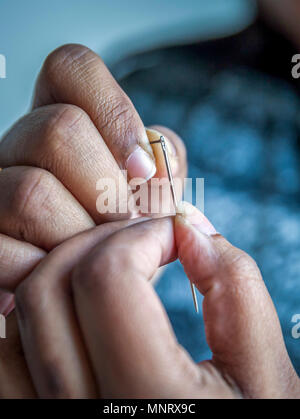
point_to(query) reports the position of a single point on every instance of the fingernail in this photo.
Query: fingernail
(140, 165)
(196, 218)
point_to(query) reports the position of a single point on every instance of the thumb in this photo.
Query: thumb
(242, 327)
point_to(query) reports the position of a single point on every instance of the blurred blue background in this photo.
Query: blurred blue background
(236, 111)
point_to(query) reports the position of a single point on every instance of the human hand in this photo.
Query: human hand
(99, 329)
(82, 128)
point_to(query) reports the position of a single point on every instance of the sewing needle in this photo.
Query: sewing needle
(175, 201)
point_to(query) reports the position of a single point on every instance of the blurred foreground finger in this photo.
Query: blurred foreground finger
(176, 151)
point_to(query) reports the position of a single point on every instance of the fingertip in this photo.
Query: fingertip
(196, 250)
(190, 215)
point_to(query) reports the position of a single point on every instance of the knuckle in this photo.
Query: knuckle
(60, 128)
(241, 265)
(63, 131)
(90, 275)
(31, 190)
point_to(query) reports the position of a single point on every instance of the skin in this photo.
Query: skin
(82, 119)
(82, 127)
(92, 297)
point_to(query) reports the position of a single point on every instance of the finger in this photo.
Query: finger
(76, 75)
(131, 345)
(51, 339)
(15, 381)
(63, 140)
(37, 208)
(242, 326)
(6, 302)
(17, 260)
